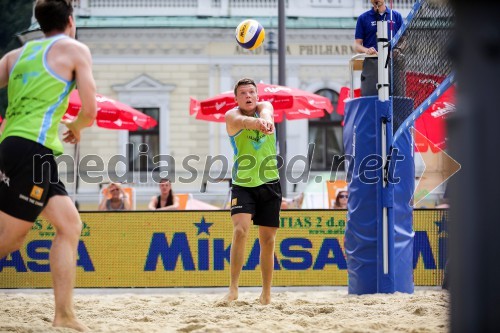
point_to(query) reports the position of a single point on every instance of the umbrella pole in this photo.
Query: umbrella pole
(282, 81)
(76, 171)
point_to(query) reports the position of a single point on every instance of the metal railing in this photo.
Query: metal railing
(230, 8)
(399, 5)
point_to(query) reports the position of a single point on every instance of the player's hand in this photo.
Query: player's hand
(269, 128)
(265, 126)
(371, 51)
(72, 135)
(262, 125)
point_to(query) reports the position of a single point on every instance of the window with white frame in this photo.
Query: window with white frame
(326, 134)
(146, 144)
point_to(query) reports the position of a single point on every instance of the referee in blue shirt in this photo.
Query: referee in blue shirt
(366, 41)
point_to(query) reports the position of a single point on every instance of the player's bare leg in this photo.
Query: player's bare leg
(241, 225)
(61, 212)
(12, 233)
(267, 236)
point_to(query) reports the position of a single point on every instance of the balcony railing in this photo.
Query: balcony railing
(229, 8)
(399, 5)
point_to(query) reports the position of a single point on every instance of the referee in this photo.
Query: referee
(365, 41)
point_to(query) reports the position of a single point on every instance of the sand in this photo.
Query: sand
(166, 310)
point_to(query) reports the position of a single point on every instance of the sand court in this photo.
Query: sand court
(199, 310)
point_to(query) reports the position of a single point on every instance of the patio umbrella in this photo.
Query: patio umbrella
(277, 95)
(344, 96)
(111, 114)
(289, 103)
(432, 123)
(194, 108)
(304, 112)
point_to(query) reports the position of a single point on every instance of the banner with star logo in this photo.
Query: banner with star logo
(191, 249)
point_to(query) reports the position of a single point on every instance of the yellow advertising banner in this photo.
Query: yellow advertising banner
(429, 246)
(192, 248)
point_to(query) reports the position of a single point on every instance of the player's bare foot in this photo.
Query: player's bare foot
(232, 295)
(265, 298)
(71, 323)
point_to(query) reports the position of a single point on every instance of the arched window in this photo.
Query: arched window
(326, 134)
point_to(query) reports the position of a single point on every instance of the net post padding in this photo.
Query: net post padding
(367, 197)
(362, 145)
(401, 176)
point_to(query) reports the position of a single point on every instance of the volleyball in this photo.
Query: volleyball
(250, 34)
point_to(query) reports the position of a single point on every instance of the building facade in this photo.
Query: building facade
(155, 55)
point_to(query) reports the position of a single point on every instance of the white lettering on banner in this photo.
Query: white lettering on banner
(429, 81)
(304, 111)
(220, 105)
(276, 89)
(102, 99)
(448, 107)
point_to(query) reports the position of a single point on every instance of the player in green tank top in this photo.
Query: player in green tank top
(27, 97)
(254, 157)
(40, 77)
(255, 191)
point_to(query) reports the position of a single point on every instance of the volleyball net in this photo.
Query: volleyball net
(380, 232)
(421, 64)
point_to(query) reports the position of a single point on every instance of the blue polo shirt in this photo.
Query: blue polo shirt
(366, 26)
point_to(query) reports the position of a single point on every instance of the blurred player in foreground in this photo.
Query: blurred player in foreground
(40, 77)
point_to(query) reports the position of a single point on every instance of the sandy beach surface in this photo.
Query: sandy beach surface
(199, 310)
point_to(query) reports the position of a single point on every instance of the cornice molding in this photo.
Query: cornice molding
(172, 42)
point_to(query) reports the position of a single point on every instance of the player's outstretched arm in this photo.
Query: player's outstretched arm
(266, 112)
(235, 122)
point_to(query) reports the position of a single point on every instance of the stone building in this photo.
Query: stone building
(156, 54)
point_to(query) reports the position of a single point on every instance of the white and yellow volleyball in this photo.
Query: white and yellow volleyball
(250, 34)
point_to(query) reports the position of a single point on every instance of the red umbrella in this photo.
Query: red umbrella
(303, 111)
(431, 123)
(194, 108)
(288, 102)
(309, 99)
(343, 96)
(111, 114)
(277, 95)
